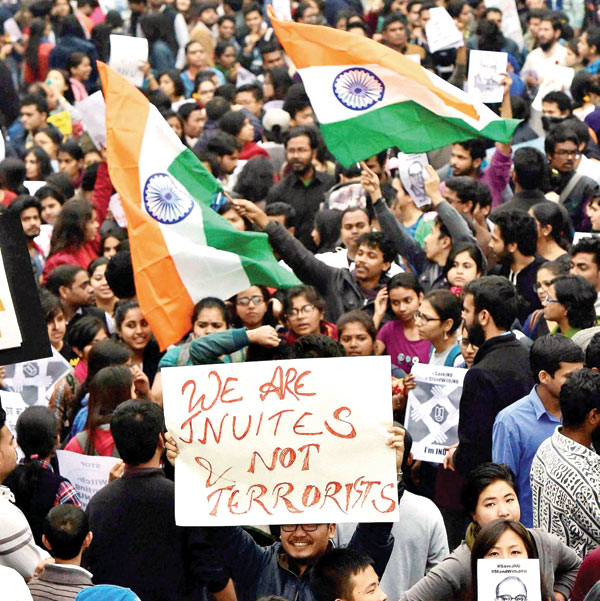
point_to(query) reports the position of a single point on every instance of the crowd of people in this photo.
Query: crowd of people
(498, 274)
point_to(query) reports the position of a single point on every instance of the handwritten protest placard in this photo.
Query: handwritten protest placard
(432, 410)
(87, 474)
(514, 578)
(282, 442)
(126, 55)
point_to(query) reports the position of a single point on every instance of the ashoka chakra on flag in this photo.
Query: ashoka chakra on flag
(165, 200)
(357, 88)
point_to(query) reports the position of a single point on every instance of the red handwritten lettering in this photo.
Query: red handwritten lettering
(207, 465)
(188, 422)
(287, 456)
(191, 404)
(228, 390)
(305, 463)
(245, 431)
(331, 495)
(298, 425)
(256, 454)
(316, 493)
(392, 505)
(283, 496)
(207, 424)
(278, 415)
(256, 499)
(336, 415)
(219, 493)
(281, 385)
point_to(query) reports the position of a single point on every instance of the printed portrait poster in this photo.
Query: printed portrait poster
(411, 169)
(485, 75)
(282, 442)
(504, 579)
(432, 410)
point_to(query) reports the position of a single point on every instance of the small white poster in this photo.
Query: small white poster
(282, 9)
(33, 185)
(282, 442)
(554, 79)
(441, 31)
(87, 474)
(432, 410)
(10, 332)
(411, 169)
(515, 579)
(485, 75)
(35, 380)
(93, 114)
(126, 55)
(116, 208)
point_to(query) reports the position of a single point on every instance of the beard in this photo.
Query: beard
(545, 46)
(476, 333)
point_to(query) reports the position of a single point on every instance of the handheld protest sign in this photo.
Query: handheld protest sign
(432, 410)
(28, 339)
(503, 579)
(282, 442)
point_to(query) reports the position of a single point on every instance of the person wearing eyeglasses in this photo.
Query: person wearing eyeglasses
(570, 303)
(303, 310)
(252, 308)
(574, 190)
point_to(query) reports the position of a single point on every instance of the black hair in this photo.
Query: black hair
(216, 107)
(474, 252)
(281, 80)
(43, 159)
(21, 203)
(222, 45)
(72, 148)
(593, 37)
(88, 180)
(187, 108)
(63, 275)
(63, 183)
(578, 297)
(589, 245)
(518, 227)
(413, 3)
(556, 216)
(309, 292)
(592, 352)
(331, 577)
(455, 7)
(561, 99)
(74, 60)
(65, 528)
(121, 310)
(328, 223)
(226, 18)
(405, 280)
(476, 147)
(251, 8)
(136, 426)
(251, 87)
(39, 101)
(211, 159)
(357, 316)
(497, 296)
(302, 130)
(520, 108)
(120, 233)
(51, 306)
(558, 134)
(119, 275)
(282, 208)
(447, 306)
(490, 37)
(83, 331)
(69, 229)
(300, 10)
(548, 352)
(226, 91)
(378, 240)
(464, 186)
(37, 27)
(12, 174)
(255, 179)
(296, 100)
(232, 122)
(175, 76)
(48, 191)
(531, 168)
(480, 478)
(222, 144)
(95, 264)
(211, 302)
(358, 25)
(483, 195)
(579, 395)
(52, 133)
(315, 346)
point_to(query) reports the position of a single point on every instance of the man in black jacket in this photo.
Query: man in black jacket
(500, 374)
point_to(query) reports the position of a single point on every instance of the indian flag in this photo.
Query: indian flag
(181, 249)
(368, 97)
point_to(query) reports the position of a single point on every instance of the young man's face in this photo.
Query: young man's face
(497, 246)
(461, 162)
(354, 224)
(545, 33)
(299, 154)
(305, 548)
(584, 264)
(395, 34)
(304, 116)
(564, 156)
(31, 118)
(79, 294)
(273, 59)
(369, 263)
(254, 21)
(228, 163)
(495, 18)
(31, 222)
(435, 247)
(248, 101)
(226, 29)
(551, 109)
(365, 586)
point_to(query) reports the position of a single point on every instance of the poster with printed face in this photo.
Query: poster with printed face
(508, 579)
(282, 442)
(35, 380)
(87, 474)
(126, 55)
(432, 410)
(485, 75)
(411, 169)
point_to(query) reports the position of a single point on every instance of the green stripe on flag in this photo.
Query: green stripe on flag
(407, 125)
(253, 248)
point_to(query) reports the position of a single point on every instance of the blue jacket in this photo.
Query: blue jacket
(263, 571)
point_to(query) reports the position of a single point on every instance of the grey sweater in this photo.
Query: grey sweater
(447, 580)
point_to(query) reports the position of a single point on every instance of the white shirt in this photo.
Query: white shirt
(13, 586)
(540, 62)
(339, 259)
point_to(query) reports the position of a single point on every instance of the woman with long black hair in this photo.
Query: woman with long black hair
(37, 53)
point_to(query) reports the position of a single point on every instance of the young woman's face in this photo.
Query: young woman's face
(463, 270)
(553, 310)
(508, 546)
(102, 290)
(227, 59)
(82, 71)
(209, 320)
(91, 228)
(62, 8)
(304, 318)
(42, 139)
(235, 219)
(428, 323)
(404, 302)
(593, 212)
(50, 209)
(467, 349)
(542, 283)
(110, 247)
(135, 330)
(91, 157)
(167, 86)
(176, 126)
(498, 500)
(247, 132)
(69, 165)
(251, 307)
(57, 327)
(355, 339)
(196, 55)
(57, 80)
(101, 335)
(183, 5)
(32, 167)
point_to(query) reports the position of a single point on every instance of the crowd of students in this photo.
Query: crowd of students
(488, 276)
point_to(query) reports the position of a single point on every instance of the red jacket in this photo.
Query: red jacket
(81, 256)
